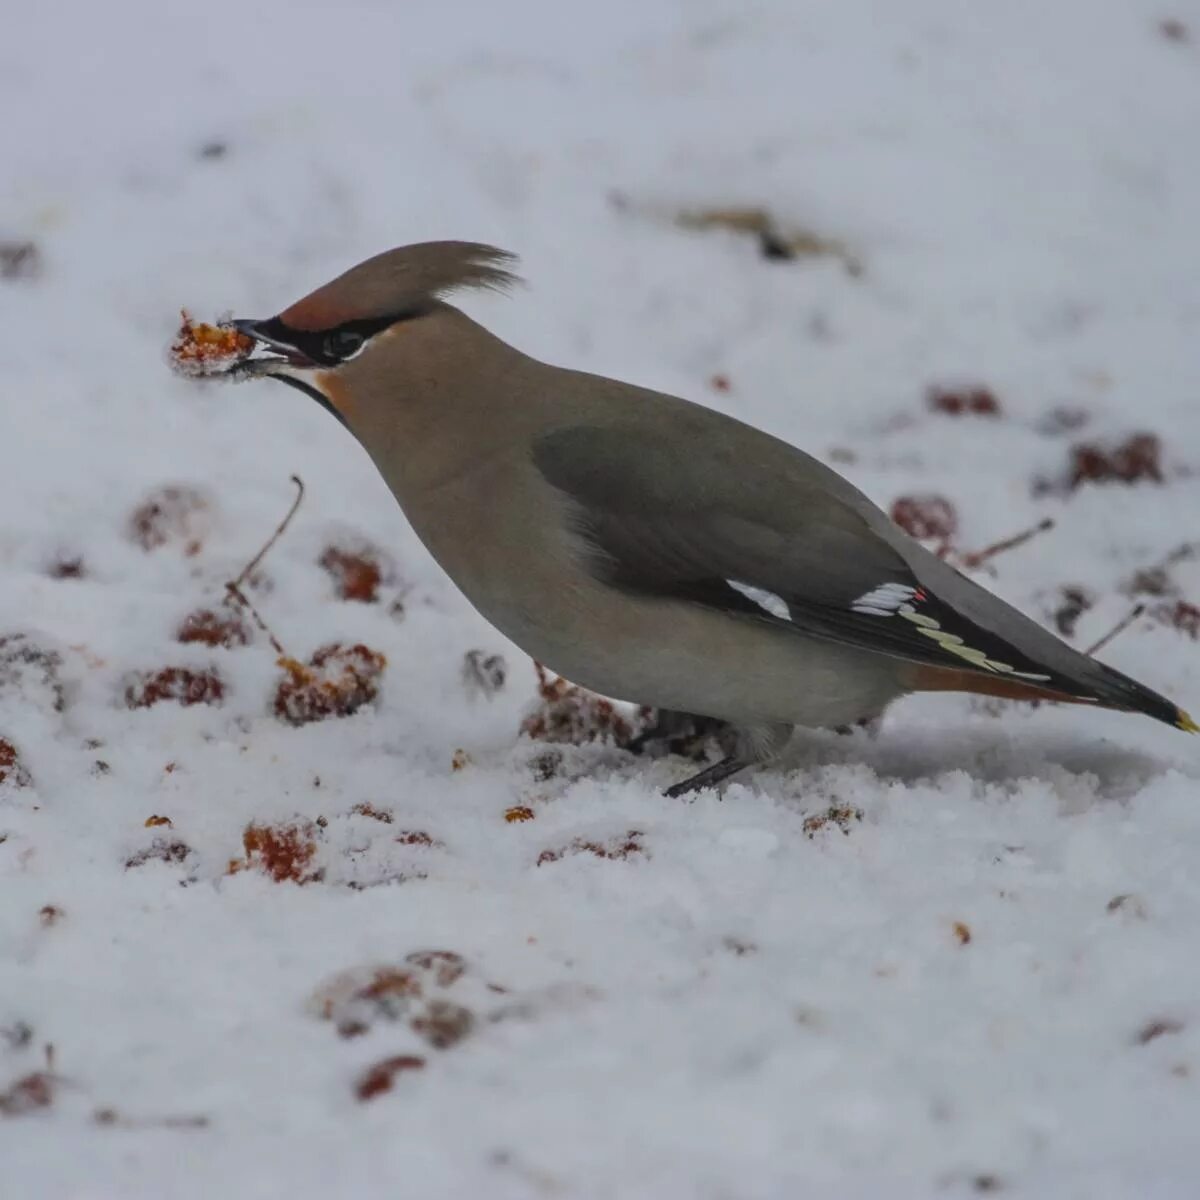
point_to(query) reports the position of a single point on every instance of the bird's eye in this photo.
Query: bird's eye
(342, 344)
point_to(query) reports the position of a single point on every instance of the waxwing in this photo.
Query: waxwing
(644, 546)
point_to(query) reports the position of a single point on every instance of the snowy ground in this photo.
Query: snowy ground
(990, 981)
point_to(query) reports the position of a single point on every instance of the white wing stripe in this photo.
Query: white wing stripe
(769, 602)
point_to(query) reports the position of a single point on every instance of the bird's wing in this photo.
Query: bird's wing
(762, 530)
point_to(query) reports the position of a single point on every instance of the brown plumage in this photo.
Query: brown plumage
(394, 284)
(943, 679)
(643, 546)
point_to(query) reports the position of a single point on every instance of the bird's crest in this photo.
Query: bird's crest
(402, 281)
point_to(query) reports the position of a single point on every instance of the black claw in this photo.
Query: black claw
(709, 777)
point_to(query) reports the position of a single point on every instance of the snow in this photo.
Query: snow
(989, 981)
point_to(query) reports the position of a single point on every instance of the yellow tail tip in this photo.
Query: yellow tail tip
(1185, 722)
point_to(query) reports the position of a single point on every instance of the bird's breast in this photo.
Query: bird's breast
(502, 535)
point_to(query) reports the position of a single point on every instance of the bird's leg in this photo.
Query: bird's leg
(756, 744)
(871, 725)
(672, 732)
(710, 776)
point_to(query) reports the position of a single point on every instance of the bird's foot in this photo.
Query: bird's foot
(709, 777)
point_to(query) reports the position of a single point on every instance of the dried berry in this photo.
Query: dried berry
(215, 627)
(1157, 580)
(171, 515)
(337, 681)
(357, 570)
(200, 349)
(619, 848)
(69, 567)
(1074, 601)
(283, 852)
(1157, 1028)
(926, 516)
(442, 1023)
(168, 850)
(183, 685)
(379, 1078)
(20, 260)
(545, 766)
(1065, 418)
(961, 401)
(1150, 581)
(567, 713)
(16, 1036)
(364, 809)
(12, 771)
(29, 1094)
(738, 946)
(774, 243)
(1129, 903)
(840, 815)
(445, 966)
(1179, 615)
(416, 837)
(1137, 458)
(483, 674)
(355, 1000)
(31, 671)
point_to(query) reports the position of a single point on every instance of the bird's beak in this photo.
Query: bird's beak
(289, 365)
(267, 333)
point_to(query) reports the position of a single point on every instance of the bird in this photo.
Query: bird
(642, 545)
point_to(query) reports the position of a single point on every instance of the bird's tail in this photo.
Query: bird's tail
(1111, 689)
(1097, 684)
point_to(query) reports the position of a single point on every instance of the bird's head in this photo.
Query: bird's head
(353, 318)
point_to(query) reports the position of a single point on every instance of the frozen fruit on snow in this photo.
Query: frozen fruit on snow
(183, 685)
(222, 626)
(567, 713)
(201, 349)
(926, 516)
(337, 681)
(285, 852)
(174, 514)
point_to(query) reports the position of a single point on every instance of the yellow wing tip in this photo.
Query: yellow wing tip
(1184, 722)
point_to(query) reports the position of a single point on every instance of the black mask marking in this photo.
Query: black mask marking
(328, 347)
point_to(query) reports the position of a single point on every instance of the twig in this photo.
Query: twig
(241, 597)
(234, 586)
(1120, 627)
(979, 557)
(291, 512)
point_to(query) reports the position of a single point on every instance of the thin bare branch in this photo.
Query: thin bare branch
(237, 594)
(291, 512)
(1120, 627)
(234, 586)
(979, 557)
